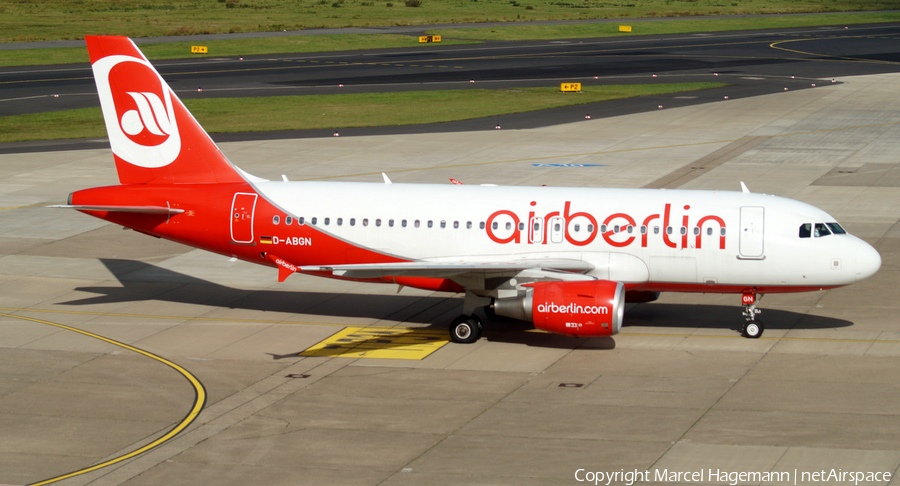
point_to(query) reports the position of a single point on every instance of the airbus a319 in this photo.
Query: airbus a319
(566, 259)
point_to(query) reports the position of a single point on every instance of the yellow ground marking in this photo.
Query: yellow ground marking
(29, 206)
(379, 342)
(599, 152)
(775, 45)
(199, 400)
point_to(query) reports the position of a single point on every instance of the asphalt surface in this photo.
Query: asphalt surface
(752, 63)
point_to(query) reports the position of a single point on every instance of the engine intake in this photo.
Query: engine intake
(590, 308)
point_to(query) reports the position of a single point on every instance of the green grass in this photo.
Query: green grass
(235, 47)
(338, 111)
(29, 20)
(575, 31)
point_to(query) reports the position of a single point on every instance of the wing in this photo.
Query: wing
(449, 269)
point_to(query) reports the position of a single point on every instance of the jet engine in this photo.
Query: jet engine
(590, 308)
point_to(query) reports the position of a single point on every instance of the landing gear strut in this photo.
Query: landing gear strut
(467, 327)
(752, 328)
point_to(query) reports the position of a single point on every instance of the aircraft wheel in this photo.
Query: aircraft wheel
(753, 329)
(465, 329)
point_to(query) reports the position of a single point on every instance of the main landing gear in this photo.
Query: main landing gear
(467, 327)
(752, 328)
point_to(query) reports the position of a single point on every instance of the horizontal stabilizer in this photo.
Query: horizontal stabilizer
(122, 209)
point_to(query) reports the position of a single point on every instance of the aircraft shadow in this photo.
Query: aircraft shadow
(146, 282)
(141, 282)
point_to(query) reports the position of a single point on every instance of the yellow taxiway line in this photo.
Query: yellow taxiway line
(199, 400)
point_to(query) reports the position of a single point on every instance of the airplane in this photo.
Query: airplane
(565, 259)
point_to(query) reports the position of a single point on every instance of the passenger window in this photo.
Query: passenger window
(683, 230)
(821, 230)
(378, 222)
(430, 223)
(481, 225)
(668, 230)
(327, 220)
(537, 226)
(468, 225)
(722, 232)
(590, 228)
(365, 221)
(313, 220)
(443, 224)
(340, 221)
(391, 223)
(288, 220)
(696, 231)
(416, 224)
(276, 219)
(656, 230)
(455, 224)
(556, 227)
(709, 231)
(508, 226)
(494, 225)
(805, 230)
(603, 228)
(521, 226)
(577, 228)
(403, 223)
(300, 221)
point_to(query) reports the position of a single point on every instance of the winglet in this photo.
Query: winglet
(285, 269)
(744, 188)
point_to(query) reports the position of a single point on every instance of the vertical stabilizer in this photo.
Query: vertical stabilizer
(154, 138)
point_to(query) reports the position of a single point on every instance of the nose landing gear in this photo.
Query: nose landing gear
(752, 328)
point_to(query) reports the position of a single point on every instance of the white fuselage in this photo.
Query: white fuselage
(657, 239)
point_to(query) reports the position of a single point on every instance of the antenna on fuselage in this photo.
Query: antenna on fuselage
(744, 188)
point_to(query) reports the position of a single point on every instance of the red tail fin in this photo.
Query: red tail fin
(154, 138)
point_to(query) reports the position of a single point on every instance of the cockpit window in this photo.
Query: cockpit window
(805, 230)
(836, 228)
(821, 230)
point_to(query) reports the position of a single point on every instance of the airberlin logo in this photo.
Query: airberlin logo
(618, 230)
(551, 308)
(150, 115)
(139, 113)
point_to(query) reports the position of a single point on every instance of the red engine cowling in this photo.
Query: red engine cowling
(591, 308)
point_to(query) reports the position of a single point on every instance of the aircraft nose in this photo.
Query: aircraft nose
(867, 260)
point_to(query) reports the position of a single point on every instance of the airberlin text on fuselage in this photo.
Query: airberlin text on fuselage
(622, 229)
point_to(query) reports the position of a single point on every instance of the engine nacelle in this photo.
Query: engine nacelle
(590, 308)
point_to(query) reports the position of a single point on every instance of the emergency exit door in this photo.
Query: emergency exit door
(242, 207)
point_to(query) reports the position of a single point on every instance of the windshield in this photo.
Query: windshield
(836, 228)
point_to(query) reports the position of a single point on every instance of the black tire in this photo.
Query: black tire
(465, 329)
(753, 330)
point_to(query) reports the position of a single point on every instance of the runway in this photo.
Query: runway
(131, 360)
